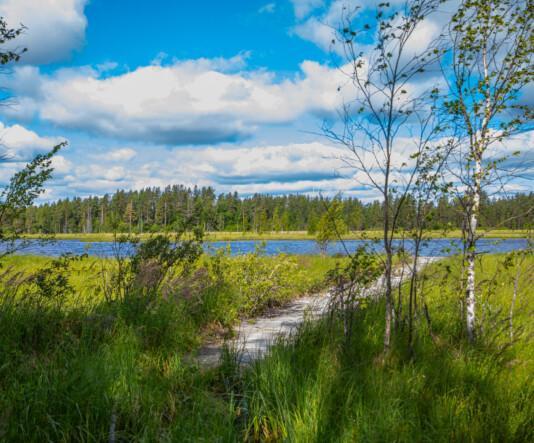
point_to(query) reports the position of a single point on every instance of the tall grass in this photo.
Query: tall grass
(75, 366)
(319, 387)
(291, 235)
(78, 367)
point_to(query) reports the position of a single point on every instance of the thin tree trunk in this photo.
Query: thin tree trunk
(165, 214)
(470, 300)
(413, 295)
(514, 297)
(477, 151)
(389, 304)
(398, 310)
(89, 221)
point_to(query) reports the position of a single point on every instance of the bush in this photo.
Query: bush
(261, 282)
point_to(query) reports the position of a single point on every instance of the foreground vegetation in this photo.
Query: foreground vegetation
(325, 387)
(78, 365)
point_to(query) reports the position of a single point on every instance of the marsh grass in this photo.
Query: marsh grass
(319, 387)
(76, 366)
(293, 235)
(79, 368)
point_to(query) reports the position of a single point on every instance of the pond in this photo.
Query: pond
(438, 247)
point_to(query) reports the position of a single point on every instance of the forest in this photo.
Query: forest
(158, 210)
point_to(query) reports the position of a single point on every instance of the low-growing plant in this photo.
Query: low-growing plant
(261, 282)
(32, 305)
(352, 285)
(137, 278)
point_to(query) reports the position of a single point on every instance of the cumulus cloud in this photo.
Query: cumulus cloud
(288, 164)
(304, 7)
(308, 168)
(268, 8)
(304, 168)
(21, 144)
(54, 27)
(322, 28)
(61, 165)
(188, 102)
(117, 155)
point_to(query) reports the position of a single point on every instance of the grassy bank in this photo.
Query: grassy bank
(293, 235)
(321, 387)
(76, 366)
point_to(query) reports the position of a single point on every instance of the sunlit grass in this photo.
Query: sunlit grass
(319, 387)
(74, 373)
(295, 235)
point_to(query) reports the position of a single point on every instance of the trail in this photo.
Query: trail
(255, 336)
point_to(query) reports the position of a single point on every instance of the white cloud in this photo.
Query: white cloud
(61, 165)
(54, 27)
(189, 102)
(260, 164)
(117, 155)
(268, 8)
(304, 7)
(304, 167)
(321, 29)
(307, 168)
(319, 33)
(21, 144)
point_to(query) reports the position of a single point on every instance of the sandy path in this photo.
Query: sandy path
(254, 336)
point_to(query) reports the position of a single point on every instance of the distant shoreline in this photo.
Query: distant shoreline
(290, 235)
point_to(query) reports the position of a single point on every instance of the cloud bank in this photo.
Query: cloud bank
(55, 28)
(188, 102)
(18, 143)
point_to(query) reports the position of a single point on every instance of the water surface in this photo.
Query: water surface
(438, 247)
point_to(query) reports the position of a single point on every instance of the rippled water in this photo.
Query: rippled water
(434, 248)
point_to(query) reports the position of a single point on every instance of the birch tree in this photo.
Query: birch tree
(386, 103)
(490, 63)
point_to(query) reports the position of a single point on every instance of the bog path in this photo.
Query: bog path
(255, 336)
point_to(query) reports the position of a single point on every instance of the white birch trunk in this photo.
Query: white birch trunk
(470, 301)
(478, 148)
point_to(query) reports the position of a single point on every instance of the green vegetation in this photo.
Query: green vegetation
(78, 362)
(292, 235)
(331, 225)
(323, 387)
(75, 365)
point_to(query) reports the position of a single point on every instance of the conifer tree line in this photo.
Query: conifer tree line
(156, 209)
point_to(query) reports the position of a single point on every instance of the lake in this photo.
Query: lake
(438, 247)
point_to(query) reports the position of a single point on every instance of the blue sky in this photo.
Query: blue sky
(190, 30)
(230, 94)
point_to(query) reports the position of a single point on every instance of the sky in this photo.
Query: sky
(229, 94)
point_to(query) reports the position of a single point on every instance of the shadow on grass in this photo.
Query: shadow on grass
(79, 375)
(321, 389)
